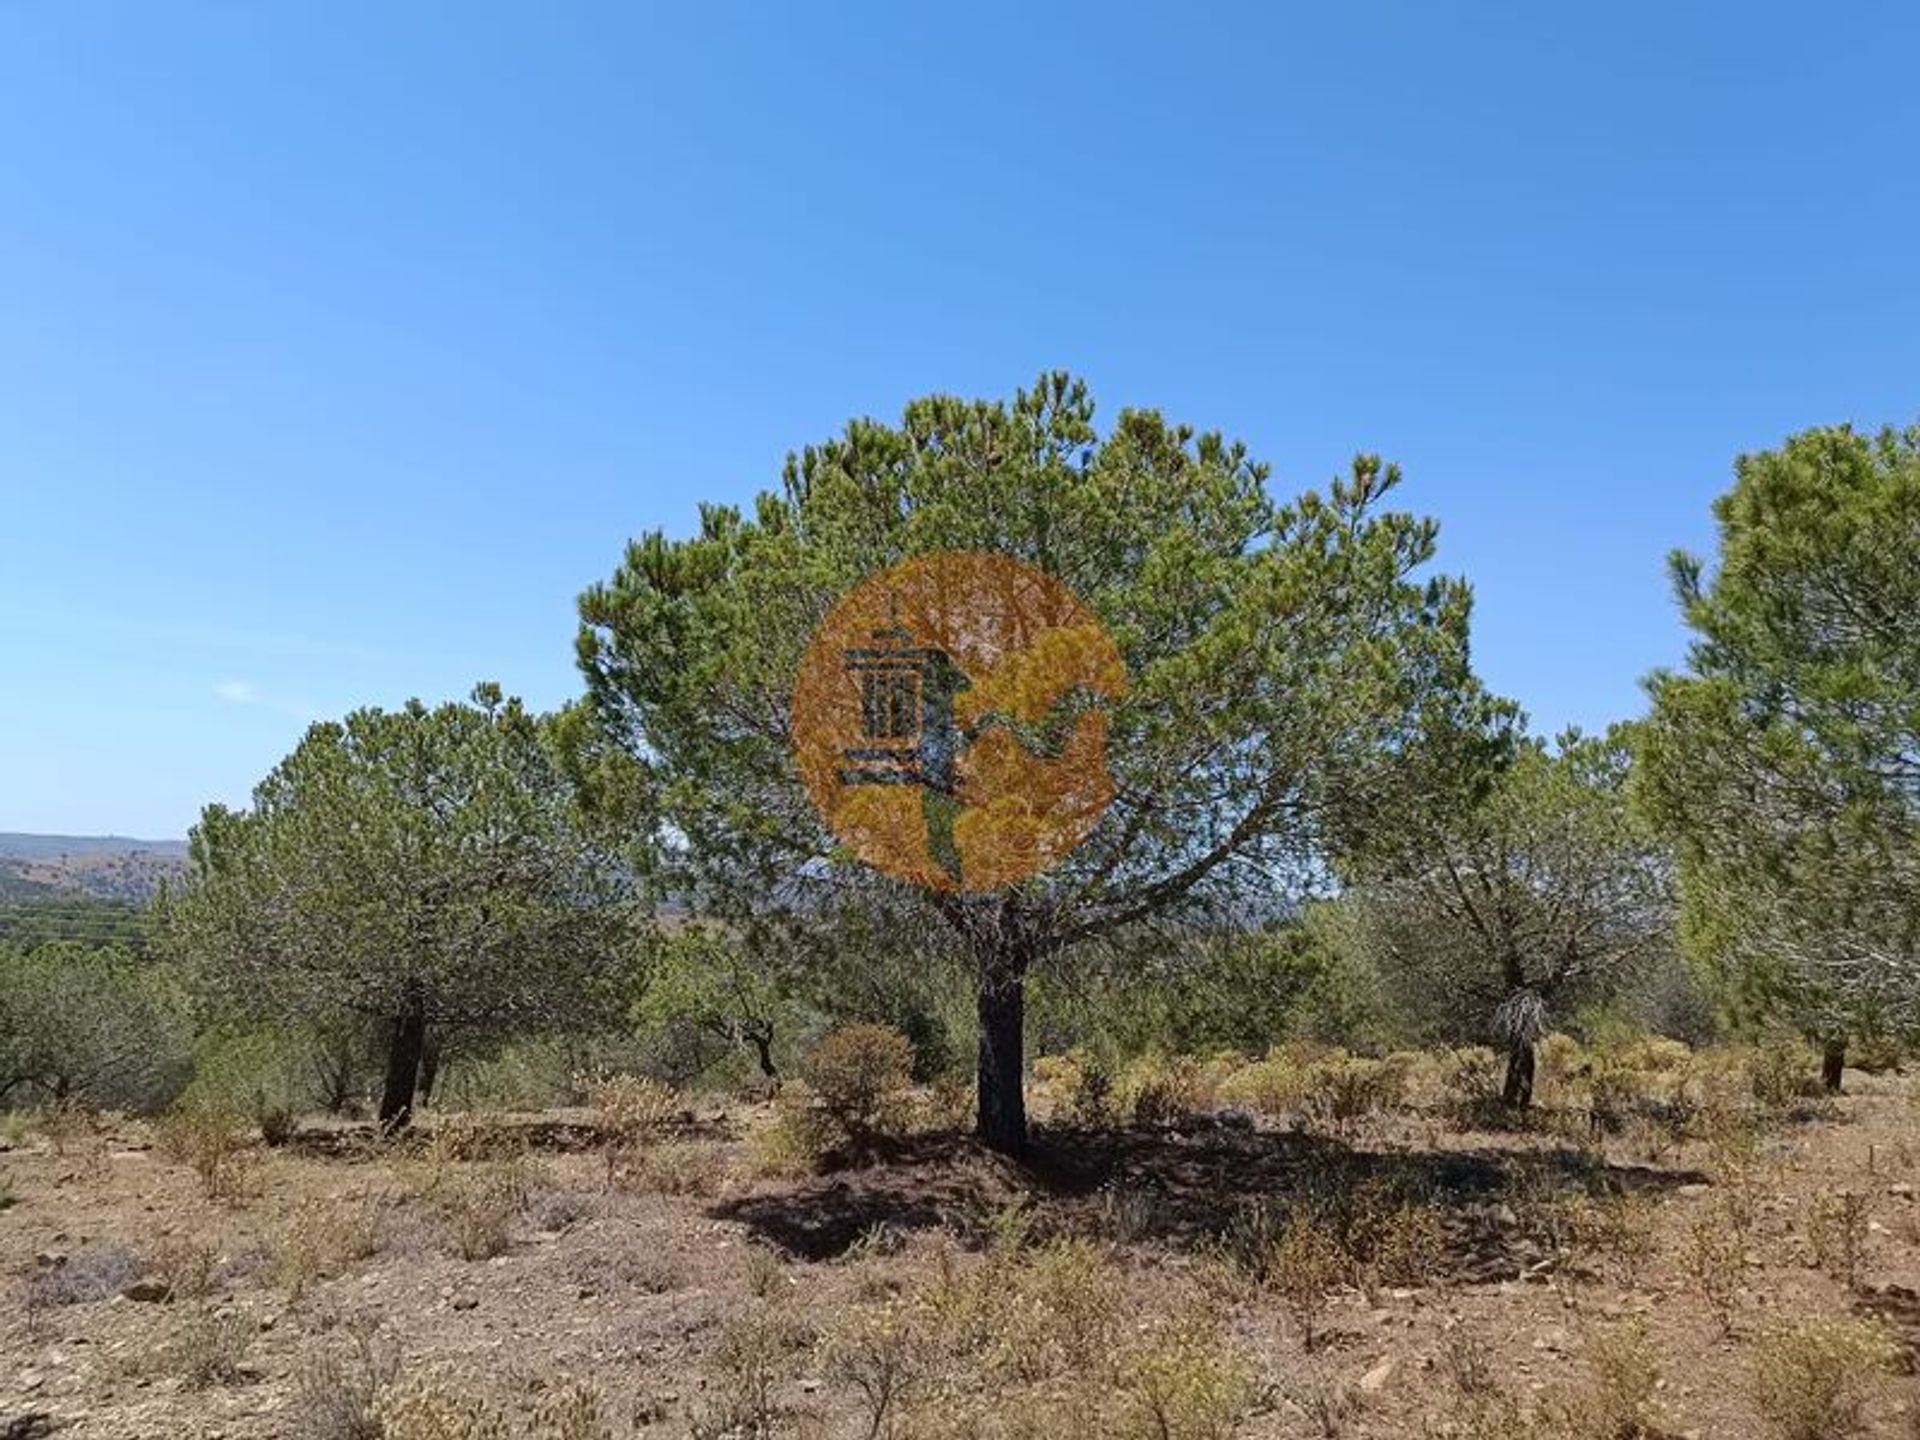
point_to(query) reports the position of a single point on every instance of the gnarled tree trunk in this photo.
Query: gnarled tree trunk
(1518, 1091)
(404, 1049)
(1833, 1064)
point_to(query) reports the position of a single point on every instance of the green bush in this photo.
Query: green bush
(89, 1026)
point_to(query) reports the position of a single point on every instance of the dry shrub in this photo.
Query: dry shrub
(1837, 1231)
(1620, 1229)
(1559, 1066)
(1074, 1087)
(321, 1238)
(795, 1138)
(1030, 1343)
(633, 1111)
(1273, 1086)
(478, 1208)
(1617, 1401)
(1782, 1069)
(213, 1143)
(1411, 1245)
(1816, 1380)
(948, 1102)
(1161, 1090)
(860, 1076)
(337, 1389)
(430, 1407)
(186, 1266)
(746, 1365)
(1342, 1089)
(766, 1272)
(679, 1167)
(199, 1346)
(1184, 1383)
(1328, 1402)
(886, 1353)
(1306, 1266)
(1472, 1078)
(1734, 1162)
(1714, 1263)
(571, 1412)
(92, 1274)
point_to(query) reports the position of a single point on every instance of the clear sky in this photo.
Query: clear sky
(341, 345)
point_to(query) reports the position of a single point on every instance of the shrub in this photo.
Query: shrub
(680, 1167)
(1184, 1383)
(1617, 1400)
(1160, 1090)
(89, 1025)
(1273, 1086)
(860, 1074)
(1783, 1068)
(633, 1112)
(794, 1140)
(1714, 1262)
(479, 1210)
(321, 1238)
(884, 1352)
(1305, 1267)
(93, 1274)
(1815, 1381)
(213, 1142)
(1472, 1077)
(186, 1267)
(337, 1390)
(571, 1412)
(202, 1347)
(431, 1408)
(1838, 1233)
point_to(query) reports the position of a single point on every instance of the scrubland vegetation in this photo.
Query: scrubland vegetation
(1377, 1067)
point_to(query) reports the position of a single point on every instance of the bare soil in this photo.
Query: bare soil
(110, 1251)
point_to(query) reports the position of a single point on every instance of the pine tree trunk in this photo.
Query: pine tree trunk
(1002, 1115)
(1519, 1087)
(403, 1066)
(1833, 1065)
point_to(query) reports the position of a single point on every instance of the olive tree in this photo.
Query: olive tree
(424, 868)
(89, 1024)
(1279, 655)
(1531, 890)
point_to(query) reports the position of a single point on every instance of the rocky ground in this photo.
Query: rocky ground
(160, 1285)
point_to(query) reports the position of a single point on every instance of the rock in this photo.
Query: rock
(147, 1292)
(465, 1302)
(31, 1425)
(1695, 1189)
(1375, 1380)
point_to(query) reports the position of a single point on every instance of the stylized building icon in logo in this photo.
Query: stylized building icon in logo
(949, 720)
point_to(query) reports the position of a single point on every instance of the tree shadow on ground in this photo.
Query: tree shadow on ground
(1181, 1189)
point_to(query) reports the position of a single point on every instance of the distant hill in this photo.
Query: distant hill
(100, 867)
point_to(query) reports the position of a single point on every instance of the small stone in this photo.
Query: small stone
(465, 1302)
(147, 1292)
(1375, 1380)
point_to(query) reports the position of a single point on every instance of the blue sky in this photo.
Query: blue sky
(342, 345)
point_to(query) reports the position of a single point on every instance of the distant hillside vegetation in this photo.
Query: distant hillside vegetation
(99, 867)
